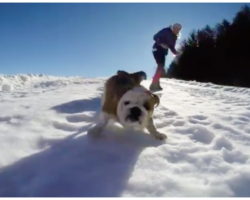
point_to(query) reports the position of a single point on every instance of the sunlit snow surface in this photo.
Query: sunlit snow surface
(45, 152)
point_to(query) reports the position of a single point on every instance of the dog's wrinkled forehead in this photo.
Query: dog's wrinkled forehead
(140, 89)
(123, 80)
(137, 94)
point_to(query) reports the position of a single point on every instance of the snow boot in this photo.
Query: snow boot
(154, 87)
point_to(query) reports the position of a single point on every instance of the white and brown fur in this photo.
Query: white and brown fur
(114, 88)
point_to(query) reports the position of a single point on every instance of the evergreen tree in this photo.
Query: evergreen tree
(220, 55)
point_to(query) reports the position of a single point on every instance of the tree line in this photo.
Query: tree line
(219, 55)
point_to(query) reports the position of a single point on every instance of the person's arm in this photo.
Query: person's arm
(157, 37)
(171, 43)
(163, 36)
(172, 48)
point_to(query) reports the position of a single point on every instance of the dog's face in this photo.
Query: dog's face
(135, 107)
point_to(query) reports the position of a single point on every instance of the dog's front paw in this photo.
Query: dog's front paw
(95, 131)
(160, 136)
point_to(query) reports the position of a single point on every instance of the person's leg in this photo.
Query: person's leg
(165, 53)
(159, 57)
(158, 73)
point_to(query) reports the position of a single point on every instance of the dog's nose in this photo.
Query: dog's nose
(135, 112)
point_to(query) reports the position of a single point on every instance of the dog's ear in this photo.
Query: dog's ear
(155, 99)
(152, 103)
(121, 72)
(143, 75)
(139, 76)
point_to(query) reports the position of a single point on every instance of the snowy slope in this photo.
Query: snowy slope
(44, 150)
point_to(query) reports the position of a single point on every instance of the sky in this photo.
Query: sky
(94, 39)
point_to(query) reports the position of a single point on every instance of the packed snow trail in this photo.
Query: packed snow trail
(45, 151)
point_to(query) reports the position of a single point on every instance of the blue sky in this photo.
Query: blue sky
(94, 39)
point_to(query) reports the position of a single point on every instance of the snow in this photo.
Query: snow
(7, 88)
(45, 152)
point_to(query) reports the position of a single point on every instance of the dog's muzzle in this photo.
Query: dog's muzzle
(134, 114)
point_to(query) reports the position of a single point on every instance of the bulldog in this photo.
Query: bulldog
(127, 102)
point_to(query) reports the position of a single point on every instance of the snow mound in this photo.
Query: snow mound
(34, 81)
(7, 88)
(211, 86)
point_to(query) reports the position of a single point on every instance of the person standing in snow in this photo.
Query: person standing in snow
(165, 39)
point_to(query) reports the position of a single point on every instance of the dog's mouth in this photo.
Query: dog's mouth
(134, 115)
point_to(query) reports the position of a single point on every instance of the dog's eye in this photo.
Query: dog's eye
(146, 106)
(126, 103)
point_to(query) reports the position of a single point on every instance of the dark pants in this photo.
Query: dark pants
(159, 55)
